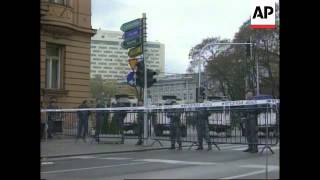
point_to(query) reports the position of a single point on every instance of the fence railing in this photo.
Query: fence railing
(228, 122)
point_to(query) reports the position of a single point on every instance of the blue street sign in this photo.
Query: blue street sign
(130, 78)
(131, 43)
(133, 33)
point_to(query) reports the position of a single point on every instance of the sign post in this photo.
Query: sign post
(135, 38)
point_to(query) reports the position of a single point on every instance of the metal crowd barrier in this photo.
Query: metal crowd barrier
(226, 122)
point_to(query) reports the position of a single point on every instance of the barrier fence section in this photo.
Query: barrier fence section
(227, 122)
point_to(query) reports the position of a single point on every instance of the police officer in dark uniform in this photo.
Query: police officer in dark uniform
(83, 120)
(202, 125)
(140, 119)
(175, 123)
(251, 116)
(100, 117)
(119, 116)
(52, 117)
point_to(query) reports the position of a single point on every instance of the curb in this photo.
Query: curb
(111, 152)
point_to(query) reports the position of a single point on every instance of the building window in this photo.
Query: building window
(63, 2)
(153, 45)
(53, 66)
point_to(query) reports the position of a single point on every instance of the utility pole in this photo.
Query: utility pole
(145, 97)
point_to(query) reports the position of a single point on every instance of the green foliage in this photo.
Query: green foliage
(102, 89)
(231, 68)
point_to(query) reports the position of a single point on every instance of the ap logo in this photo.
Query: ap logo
(263, 14)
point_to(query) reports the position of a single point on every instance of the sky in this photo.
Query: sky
(178, 24)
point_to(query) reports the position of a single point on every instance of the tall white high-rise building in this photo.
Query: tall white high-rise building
(110, 60)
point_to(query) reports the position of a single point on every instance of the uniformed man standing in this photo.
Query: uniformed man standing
(202, 125)
(52, 117)
(119, 116)
(140, 124)
(100, 117)
(175, 123)
(251, 116)
(83, 120)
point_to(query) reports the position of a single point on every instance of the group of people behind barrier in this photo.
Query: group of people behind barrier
(201, 115)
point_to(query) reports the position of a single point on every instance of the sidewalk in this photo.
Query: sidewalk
(63, 147)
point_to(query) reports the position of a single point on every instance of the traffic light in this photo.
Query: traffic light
(150, 79)
(140, 74)
(202, 93)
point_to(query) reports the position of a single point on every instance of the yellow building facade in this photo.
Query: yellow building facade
(65, 51)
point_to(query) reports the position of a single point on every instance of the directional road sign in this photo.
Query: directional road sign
(133, 33)
(131, 43)
(132, 63)
(133, 52)
(130, 79)
(131, 24)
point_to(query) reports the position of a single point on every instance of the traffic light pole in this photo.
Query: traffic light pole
(145, 104)
(199, 70)
(257, 69)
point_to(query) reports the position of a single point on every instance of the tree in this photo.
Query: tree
(229, 66)
(200, 51)
(103, 89)
(266, 51)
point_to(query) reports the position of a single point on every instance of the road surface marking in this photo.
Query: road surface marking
(260, 166)
(247, 174)
(244, 175)
(116, 158)
(270, 168)
(260, 148)
(232, 147)
(46, 163)
(83, 157)
(74, 157)
(89, 168)
(176, 162)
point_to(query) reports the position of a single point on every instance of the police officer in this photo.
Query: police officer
(52, 117)
(119, 116)
(83, 120)
(100, 116)
(175, 124)
(251, 114)
(140, 124)
(202, 125)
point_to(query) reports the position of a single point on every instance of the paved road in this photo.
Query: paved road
(229, 163)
